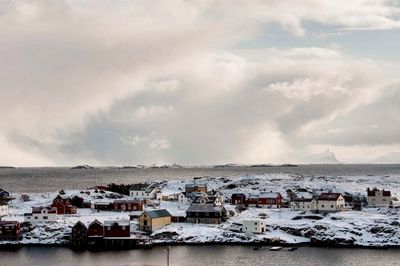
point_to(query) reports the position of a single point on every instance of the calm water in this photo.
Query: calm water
(53, 179)
(202, 255)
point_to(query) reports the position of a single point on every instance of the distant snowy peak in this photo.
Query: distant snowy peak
(391, 158)
(325, 157)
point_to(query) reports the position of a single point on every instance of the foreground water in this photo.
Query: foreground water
(53, 179)
(200, 255)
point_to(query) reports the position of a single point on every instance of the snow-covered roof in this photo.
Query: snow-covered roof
(271, 194)
(117, 222)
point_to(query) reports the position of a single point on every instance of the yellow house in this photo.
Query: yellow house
(151, 221)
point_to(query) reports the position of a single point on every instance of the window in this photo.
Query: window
(123, 227)
(45, 217)
(36, 217)
(322, 205)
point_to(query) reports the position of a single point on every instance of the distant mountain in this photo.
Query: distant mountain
(391, 158)
(82, 167)
(325, 157)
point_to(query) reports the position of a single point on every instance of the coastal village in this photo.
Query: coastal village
(241, 210)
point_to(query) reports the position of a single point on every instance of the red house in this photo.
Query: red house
(252, 200)
(120, 228)
(95, 229)
(127, 205)
(10, 230)
(271, 199)
(63, 205)
(238, 198)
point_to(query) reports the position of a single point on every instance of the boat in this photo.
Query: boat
(275, 248)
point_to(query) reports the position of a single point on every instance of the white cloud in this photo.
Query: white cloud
(64, 63)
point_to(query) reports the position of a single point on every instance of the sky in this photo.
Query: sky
(199, 82)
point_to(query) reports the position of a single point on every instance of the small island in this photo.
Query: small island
(252, 210)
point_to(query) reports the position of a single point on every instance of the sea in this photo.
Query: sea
(53, 179)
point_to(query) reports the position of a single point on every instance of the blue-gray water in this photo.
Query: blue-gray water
(53, 179)
(201, 255)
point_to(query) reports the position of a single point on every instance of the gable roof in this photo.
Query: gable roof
(95, 222)
(79, 223)
(157, 213)
(39, 209)
(329, 196)
(270, 194)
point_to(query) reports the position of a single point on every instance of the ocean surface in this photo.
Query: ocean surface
(53, 179)
(201, 255)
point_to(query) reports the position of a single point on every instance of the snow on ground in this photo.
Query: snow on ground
(369, 227)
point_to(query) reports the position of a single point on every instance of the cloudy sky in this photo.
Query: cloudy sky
(196, 82)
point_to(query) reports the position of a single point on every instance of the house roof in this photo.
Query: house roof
(102, 203)
(303, 200)
(79, 223)
(271, 194)
(127, 201)
(117, 222)
(241, 195)
(158, 213)
(329, 196)
(3, 203)
(204, 208)
(8, 223)
(143, 187)
(39, 209)
(371, 192)
(95, 222)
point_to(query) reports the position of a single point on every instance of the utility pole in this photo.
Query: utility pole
(168, 248)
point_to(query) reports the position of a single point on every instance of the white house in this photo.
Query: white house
(330, 202)
(378, 198)
(255, 226)
(304, 204)
(3, 208)
(41, 214)
(145, 191)
(181, 197)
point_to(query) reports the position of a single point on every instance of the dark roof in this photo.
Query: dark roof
(371, 192)
(144, 187)
(95, 222)
(204, 208)
(3, 203)
(329, 196)
(79, 223)
(303, 200)
(8, 223)
(39, 209)
(139, 186)
(239, 195)
(127, 201)
(158, 213)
